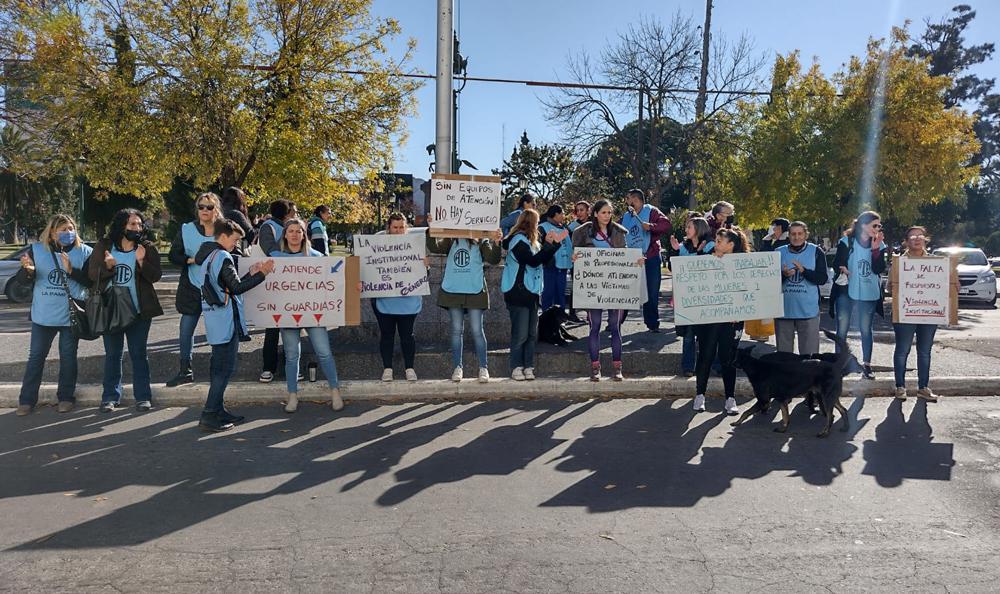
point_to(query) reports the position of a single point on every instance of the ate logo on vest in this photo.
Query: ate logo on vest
(796, 277)
(461, 257)
(123, 274)
(57, 277)
(864, 268)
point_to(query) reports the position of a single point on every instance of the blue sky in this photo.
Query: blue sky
(531, 39)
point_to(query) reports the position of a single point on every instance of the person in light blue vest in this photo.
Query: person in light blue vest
(803, 272)
(398, 315)
(225, 322)
(857, 286)
(645, 225)
(126, 258)
(183, 249)
(463, 291)
(522, 284)
(57, 261)
(294, 244)
(318, 236)
(527, 200)
(554, 287)
(698, 241)
(267, 239)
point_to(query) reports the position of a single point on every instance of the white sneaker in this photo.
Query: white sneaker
(517, 374)
(336, 402)
(292, 404)
(411, 375)
(456, 376)
(266, 377)
(529, 373)
(900, 393)
(484, 375)
(731, 408)
(699, 403)
(387, 374)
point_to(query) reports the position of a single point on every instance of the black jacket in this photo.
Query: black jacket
(842, 258)
(249, 233)
(229, 278)
(146, 277)
(188, 298)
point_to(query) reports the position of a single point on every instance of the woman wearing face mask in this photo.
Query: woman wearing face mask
(857, 288)
(397, 315)
(697, 242)
(183, 249)
(720, 339)
(293, 243)
(127, 259)
(58, 260)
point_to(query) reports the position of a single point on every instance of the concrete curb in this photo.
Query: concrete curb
(496, 389)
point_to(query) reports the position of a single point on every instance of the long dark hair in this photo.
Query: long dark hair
(863, 219)
(553, 211)
(704, 233)
(116, 230)
(735, 235)
(234, 198)
(598, 206)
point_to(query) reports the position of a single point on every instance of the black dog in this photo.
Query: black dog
(783, 376)
(552, 327)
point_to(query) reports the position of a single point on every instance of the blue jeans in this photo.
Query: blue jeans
(320, 339)
(138, 337)
(553, 287)
(189, 322)
(865, 311)
(689, 352)
(458, 334)
(223, 364)
(38, 351)
(651, 309)
(523, 335)
(904, 340)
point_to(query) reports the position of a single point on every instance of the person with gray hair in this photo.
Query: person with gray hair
(803, 272)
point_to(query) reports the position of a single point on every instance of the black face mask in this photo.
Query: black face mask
(133, 236)
(731, 220)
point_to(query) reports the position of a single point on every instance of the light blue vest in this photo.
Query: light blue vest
(574, 224)
(801, 296)
(564, 256)
(49, 306)
(508, 222)
(637, 236)
(399, 306)
(862, 283)
(463, 273)
(318, 227)
(125, 272)
(310, 253)
(532, 274)
(193, 239)
(709, 248)
(219, 321)
(278, 229)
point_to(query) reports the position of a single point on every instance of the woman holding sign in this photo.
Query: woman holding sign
(293, 243)
(602, 232)
(463, 290)
(55, 264)
(697, 242)
(397, 315)
(916, 247)
(126, 258)
(720, 339)
(857, 287)
(522, 285)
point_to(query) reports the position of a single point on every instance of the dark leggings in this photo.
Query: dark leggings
(722, 339)
(389, 325)
(270, 352)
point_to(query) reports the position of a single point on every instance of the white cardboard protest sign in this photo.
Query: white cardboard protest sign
(392, 265)
(733, 288)
(464, 205)
(302, 292)
(607, 278)
(923, 292)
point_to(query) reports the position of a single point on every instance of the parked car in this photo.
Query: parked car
(8, 269)
(995, 265)
(977, 281)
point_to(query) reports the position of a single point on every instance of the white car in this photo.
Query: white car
(8, 268)
(976, 279)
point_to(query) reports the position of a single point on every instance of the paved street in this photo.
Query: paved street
(612, 496)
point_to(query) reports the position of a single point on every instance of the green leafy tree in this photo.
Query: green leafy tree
(543, 170)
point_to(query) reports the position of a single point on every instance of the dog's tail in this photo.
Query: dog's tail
(843, 350)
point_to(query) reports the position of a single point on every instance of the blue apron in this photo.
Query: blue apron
(708, 249)
(801, 296)
(532, 274)
(463, 273)
(219, 320)
(193, 239)
(317, 230)
(125, 272)
(399, 306)
(310, 253)
(862, 283)
(637, 236)
(49, 306)
(564, 256)
(278, 229)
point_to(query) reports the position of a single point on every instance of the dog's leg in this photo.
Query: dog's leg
(829, 421)
(785, 418)
(843, 414)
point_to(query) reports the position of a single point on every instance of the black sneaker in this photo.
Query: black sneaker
(107, 407)
(184, 376)
(212, 423)
(227, 417)
(867, 373)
